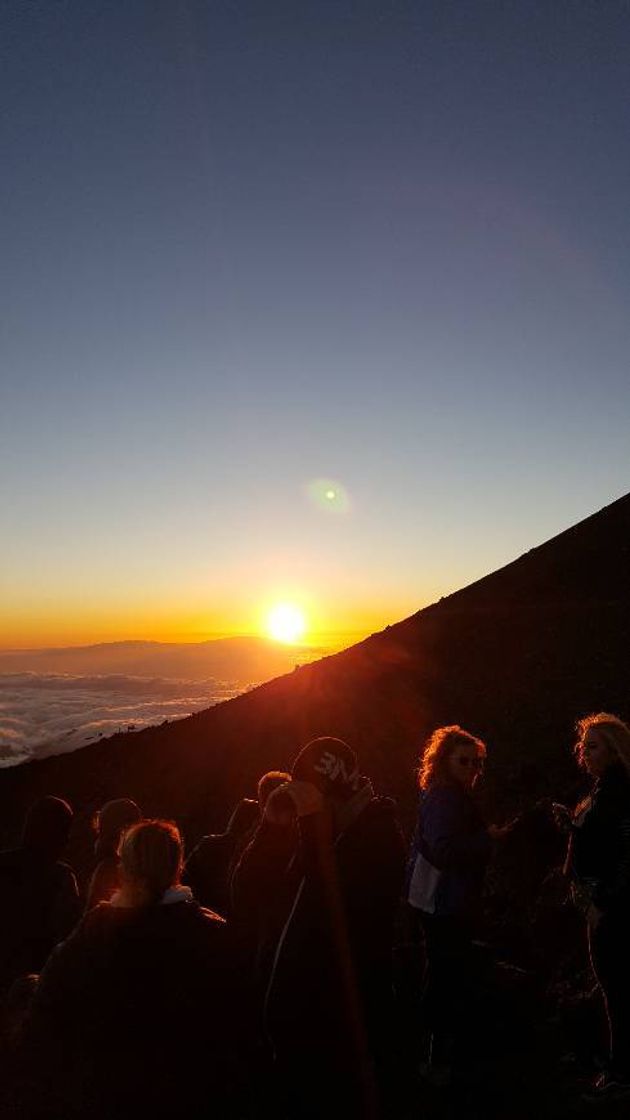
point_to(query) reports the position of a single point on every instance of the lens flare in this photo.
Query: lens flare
(286, 622)
(328, 495)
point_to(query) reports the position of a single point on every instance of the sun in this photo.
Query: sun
(286, 623)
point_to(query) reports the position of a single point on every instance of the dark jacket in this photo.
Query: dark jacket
(331, 980)
(600, 842)
(450, 833)
(263, 886)
(134, 1016)
(210, 865)
(40, 907)
(207, 870)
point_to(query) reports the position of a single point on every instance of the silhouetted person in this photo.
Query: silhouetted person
(261, 883)
(210, 864)
(450, 850)
(133, 1013)
(599, 861)
(328, 1004)
(111, 822)
(269, 782)
(40, 899)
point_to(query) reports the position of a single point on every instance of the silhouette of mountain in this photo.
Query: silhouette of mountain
(249, 660)
(516, 657)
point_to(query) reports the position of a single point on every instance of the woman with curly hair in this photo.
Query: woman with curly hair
(449, 853)
(599, 860)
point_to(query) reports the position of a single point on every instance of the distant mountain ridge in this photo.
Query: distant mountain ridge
(516, 657)
(249, 660)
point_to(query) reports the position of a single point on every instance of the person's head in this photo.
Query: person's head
(47, 827)
(112, 820)
(244, 817)
(280, 807)
(603, 739)
(451, 754)
(270, 781)
(331, 765)
(151, 857)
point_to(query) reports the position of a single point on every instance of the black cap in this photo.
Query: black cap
(330, 764)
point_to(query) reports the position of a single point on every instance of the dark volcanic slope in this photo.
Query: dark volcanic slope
(516, 657)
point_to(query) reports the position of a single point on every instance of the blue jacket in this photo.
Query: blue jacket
(451, 834)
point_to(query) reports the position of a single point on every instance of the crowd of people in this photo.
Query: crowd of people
(257, 973)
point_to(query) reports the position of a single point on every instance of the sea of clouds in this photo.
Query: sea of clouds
(49, 713)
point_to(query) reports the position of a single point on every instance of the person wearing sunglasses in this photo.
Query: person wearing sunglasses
(445, 874)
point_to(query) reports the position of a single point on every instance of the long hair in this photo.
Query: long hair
(612, 730)
(437, 751)
(151, 856)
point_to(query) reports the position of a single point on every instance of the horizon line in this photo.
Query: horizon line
(317, 643)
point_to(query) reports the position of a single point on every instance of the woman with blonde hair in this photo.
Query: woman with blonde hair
(599, 861)
(132, 1014)
(450, 849)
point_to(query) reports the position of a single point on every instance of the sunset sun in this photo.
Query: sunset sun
(286, 623)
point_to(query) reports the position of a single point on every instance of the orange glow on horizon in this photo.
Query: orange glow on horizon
(90, 621)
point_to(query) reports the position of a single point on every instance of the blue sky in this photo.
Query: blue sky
(248, 245)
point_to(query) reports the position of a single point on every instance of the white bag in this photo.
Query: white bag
(424, 884)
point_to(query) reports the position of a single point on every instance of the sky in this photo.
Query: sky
(255, 254)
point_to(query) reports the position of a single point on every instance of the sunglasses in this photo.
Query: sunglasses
(473, 763)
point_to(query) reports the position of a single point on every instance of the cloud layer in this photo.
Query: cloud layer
(48, 713)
